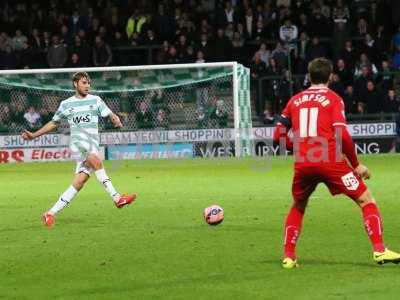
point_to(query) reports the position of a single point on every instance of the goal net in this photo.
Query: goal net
(194, 110)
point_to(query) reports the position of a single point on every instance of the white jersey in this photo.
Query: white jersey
(82, 115)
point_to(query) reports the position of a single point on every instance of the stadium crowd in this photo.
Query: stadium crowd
(275, 38)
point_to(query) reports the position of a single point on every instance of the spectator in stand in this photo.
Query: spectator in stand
(26, 57)
(238, 50)
(150, 39)
(336, 85)
(144, 117)
(272, 85)
(32, 119)
(173, 56)
(301, 53)
(382, 42)
(74, 61)
(102, 55)
(135, 23)
(288, 33)
(77, 22)
(136, 40)
(365, 62)
(303, 24)
(46, 41)
(45, 115)
(315, 50)
(360, 83)
(57, 55)
(228, 15)
(265, 53)
(268, 116)
(182, 47)
(229, 31)
(4, 128)
(222, 47)
(5, 118)
(200, 57)
(368, 47)
(280, 55)
(257, 70)
(5, 41)
(391, 103)
(164, 24)
(360, 108)
(18, 40)
(18, 114)
(158, 101)
(341, 34)
(372, 98)
(205, 47)
(320, 24)
(8, 59)
(65, 36)
(35, 40)
(340, 11)
(361, 28)
(385, 77)
(162, 54)
(349, 55)
(201, 118)
(259, 33)
(343, 72)
(82, 49)
(350, 101)
(218, 115)
(319, 5)
(161, 120)
(286, 88)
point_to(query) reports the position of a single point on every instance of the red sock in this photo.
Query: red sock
(373, 226)
(292, 231)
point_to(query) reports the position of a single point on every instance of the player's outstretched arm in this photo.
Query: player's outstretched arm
(115, 120)
(50, 126)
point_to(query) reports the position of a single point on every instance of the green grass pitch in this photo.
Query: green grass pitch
(160, 247)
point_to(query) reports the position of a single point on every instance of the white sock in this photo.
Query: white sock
(106, 182)
(64, 200)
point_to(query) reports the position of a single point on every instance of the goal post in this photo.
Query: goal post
(205, 104)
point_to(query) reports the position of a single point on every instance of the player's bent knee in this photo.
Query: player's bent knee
(94, 162)
(365, 198)
(300, 205)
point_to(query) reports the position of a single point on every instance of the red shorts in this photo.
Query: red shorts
(338, 177)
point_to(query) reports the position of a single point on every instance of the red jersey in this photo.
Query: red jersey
(315, 114)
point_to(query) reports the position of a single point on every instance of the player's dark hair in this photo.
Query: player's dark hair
(320, 70)
(79, 75)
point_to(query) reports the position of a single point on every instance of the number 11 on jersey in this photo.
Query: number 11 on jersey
(308, 122)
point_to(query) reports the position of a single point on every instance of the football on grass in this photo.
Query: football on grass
(213, 214)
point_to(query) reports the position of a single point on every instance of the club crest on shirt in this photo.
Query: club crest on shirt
(350, 181)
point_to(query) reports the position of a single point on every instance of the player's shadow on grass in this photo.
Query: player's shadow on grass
(323, 262)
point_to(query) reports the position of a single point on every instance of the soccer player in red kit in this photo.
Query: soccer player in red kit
(324, 152)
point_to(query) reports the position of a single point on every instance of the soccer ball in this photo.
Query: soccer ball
(213, 214)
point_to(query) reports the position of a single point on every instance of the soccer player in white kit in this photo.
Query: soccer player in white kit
(82, 112)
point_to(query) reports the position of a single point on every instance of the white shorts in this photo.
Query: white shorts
(81, 167)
